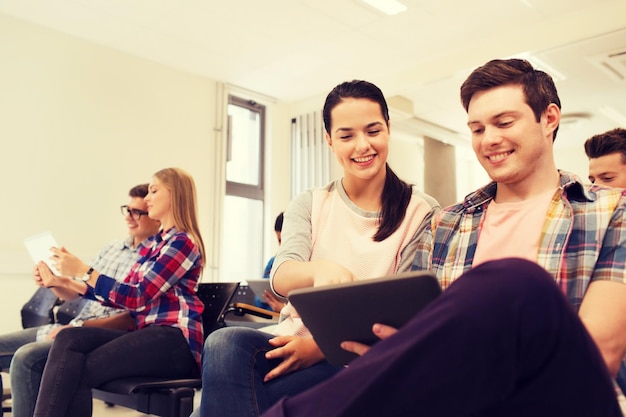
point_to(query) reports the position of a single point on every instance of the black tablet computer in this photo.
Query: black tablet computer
(340, 312)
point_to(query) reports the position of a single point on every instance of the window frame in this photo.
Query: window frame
(255, 192)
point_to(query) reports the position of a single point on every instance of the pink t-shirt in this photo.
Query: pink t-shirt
(342, 232)
(512, 229)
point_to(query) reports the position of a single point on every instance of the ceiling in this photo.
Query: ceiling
(296, 49)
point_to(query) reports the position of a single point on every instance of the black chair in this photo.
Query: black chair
(245, 313)
(39, 310)
(69, 309)
(167, 397)
(5, 396)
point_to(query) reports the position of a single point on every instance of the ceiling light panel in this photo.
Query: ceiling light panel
(389, 7)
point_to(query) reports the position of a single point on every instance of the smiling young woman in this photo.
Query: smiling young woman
(359, 226)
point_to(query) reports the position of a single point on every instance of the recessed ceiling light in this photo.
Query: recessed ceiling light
(571, 118)
(544, 66)
(389, 7)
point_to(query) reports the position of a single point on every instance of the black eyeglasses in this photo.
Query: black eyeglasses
(134, 214)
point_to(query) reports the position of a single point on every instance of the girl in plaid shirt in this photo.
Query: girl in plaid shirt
(160, 293)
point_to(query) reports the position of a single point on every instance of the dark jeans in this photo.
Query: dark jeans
(500, 341)
(233, 367)
(87, 357)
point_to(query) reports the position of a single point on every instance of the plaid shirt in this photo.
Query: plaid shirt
(114, 260)
(583, 238)
(160, 289)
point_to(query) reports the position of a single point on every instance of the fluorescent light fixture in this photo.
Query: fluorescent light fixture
(389, 7)
(542, 65)
(539, 64)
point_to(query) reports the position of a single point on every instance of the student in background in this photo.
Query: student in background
(273, 303)
(360, 226)
(278, 227)
(532, 321)
(607, 167)
(27, 350)
(607, 158)
(160, 293)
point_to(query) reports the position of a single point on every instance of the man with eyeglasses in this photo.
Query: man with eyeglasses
(27, 350)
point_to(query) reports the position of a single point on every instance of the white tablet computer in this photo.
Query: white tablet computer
(336, 313)
(38, 247)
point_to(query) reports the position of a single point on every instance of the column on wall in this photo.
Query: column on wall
(440, 171)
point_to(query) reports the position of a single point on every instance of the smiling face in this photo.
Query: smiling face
(359, 137)
(159, 203)
(608, 170)
(514, 149)
(144, 227)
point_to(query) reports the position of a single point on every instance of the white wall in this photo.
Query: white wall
(572, 159)
(81, 124)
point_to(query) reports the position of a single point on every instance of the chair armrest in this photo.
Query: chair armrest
(130, 385)
(241, 309)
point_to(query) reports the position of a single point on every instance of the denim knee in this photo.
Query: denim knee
(29, 355)
(232, 339)
(233, 345)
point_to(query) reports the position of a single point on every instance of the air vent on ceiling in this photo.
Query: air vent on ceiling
(612, 63)
(571, 118)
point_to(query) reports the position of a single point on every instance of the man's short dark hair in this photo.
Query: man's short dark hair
(606, 143)
(140, 191)
(539, 89)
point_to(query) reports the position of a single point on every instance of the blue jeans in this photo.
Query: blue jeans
(233, 367)
(10, 342)
(26, 358)
(26, 372)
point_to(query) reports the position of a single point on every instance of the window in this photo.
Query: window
(310, 155)
(242, 250)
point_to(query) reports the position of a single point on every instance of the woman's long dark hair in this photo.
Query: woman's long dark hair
(396, 193)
